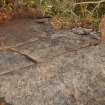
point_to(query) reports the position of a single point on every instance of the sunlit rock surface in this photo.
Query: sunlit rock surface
(51, 68)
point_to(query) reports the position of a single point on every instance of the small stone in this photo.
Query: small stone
(95, 35)
(81, 31)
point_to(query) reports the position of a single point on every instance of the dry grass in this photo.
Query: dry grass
(63, 11)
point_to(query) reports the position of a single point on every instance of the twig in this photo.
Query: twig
(75, 50)
(13, 49)
(89, 2)
(7, 72)
(26, 55)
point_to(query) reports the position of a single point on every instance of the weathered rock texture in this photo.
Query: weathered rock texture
(69, 67)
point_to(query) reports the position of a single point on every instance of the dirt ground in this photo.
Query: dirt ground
(42, 66)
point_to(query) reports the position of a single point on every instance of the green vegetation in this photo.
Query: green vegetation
(77, 10)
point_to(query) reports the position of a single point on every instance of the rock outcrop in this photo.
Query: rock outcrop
(70, 67)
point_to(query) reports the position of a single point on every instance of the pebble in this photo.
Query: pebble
(81, 31)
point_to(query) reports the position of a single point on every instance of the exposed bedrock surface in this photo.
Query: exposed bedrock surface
(49, 67)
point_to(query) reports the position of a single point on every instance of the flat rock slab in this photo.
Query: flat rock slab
(69, 67)
(21, 30)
